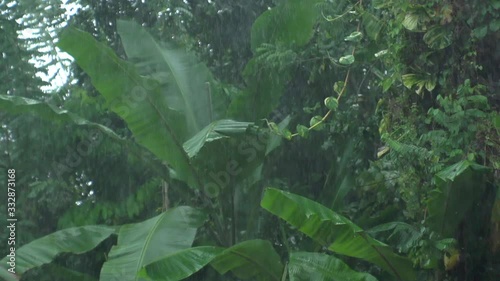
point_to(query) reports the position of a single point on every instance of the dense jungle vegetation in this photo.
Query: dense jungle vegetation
(250, 140)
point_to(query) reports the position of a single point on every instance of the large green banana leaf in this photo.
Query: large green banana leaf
(19, 105)
(336, 232)
(252, 259)
(137, 99)
(216, 130)
(76, 240)
(457, 188)
(180, 264)
(146, 242)
(322, 267)
(186, 83)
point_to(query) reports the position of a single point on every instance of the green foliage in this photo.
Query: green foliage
(136, 99)
(364, 60)
(187, 84)
(180, 264)
(317, 266)
(216, 130)
(20, 105)
(252, 259)
(111, 212)
(274, 36)
(458, 186)
(334, 231)
(290, 23)
(148, 241)
(72, 240)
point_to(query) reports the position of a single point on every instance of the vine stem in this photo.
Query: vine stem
(346, 80)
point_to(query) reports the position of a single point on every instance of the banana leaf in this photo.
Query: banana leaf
(322, 267)
(75, 240)
(146, 242)
(458, 188)
(252, 259)
(138, 99)
(186, 83)
(336, 232)
(180, 264)
(21, 105)
(216, 130)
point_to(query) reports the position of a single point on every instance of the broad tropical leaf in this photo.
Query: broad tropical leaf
(20, 105)
(135, 98)
(457, 186)
(58, 272)
(75, 240)
(336, 232)
(253, 259)
(187, 84)
(322, 267)
(142, 243)
(216, 130)
(181, 264)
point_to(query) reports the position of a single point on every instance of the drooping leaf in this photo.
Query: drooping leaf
(457, 186)
(216, 130)
(317, 266)
(20, 105)
(180, 264)
(142, 243)
(452, 172)
(186, 82)
(75, 240)
(137, 99)
(252, 259)
(336, 232)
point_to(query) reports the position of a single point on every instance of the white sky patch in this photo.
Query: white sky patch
(57, 74)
